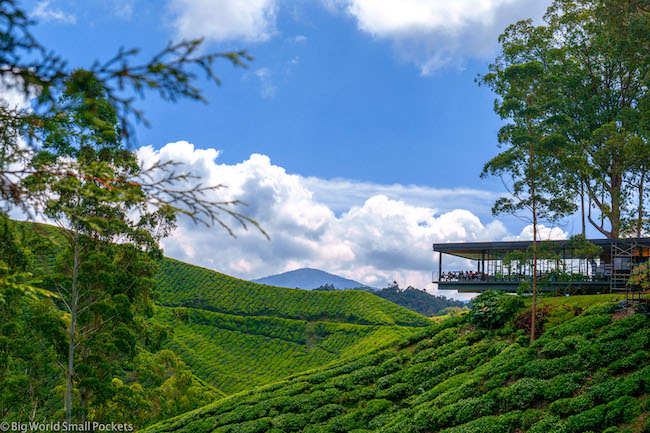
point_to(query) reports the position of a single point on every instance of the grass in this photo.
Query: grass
(582, 301)
(239, 335)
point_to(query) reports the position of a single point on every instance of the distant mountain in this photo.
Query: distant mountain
(308, 279)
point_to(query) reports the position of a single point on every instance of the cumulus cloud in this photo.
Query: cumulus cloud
(435, 33)
(222, 20)
(543, 233)
(45, 13)
(377, 239)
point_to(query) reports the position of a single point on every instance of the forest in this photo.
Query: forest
(417, 300)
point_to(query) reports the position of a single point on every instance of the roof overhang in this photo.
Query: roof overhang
(478, 250)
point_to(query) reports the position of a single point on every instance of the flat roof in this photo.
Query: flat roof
(474, 250)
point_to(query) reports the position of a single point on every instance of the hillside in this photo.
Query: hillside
(234, 353)
(308, 279)
(588, 372)
(184, 285)
(236, 335)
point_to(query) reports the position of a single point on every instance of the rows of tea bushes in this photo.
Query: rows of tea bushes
(185, 285)
(234, 353)
(590, 373)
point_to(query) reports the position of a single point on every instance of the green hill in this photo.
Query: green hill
(236, 335)
(234, 353)
(186, 285)
(418, 300)
(589, 372)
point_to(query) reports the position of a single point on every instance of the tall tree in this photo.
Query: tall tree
(602, 80)
(526, 100)
(104, 276)
(36, 72)
(594, 62)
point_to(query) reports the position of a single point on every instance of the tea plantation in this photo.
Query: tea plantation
(186, 285)
(589, 372)
(234, 353)
(238, 335)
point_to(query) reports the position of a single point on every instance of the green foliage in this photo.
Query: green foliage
(574, 92)
(418, 300)
(237, 349)
(641, 276)
(494, 308)
(452, 379)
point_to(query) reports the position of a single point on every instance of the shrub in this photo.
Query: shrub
(569, 406)
(563, 385)
(290, 422)
(492, 309)
(557, 316)
(397, 391)
(523, 393)
(615, 412)
(326, 412)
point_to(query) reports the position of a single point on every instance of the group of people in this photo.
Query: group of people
(462, 276)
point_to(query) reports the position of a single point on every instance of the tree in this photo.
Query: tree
(30, 332)
(595, 56)
(527, 98)
(105, 273)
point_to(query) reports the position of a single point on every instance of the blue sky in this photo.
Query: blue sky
(321, 97)
(356, 136)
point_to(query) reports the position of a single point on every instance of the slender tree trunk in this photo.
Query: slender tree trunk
(533, 318)
(582, 205)
(615, 218)
(74, 308)
(639, 223)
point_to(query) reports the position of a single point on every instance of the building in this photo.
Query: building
(602, 265)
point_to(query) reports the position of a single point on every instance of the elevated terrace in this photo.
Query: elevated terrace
(564, 266)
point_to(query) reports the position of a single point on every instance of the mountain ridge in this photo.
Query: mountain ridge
(307, 279)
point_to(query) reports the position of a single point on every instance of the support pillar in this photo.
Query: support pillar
(482, 264)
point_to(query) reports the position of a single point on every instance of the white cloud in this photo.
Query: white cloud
(435, 33)
(122, 9)
(375, 240)
(12, 94)
(543, 233)
(342, 194)
(44, 12)
(221, 20)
